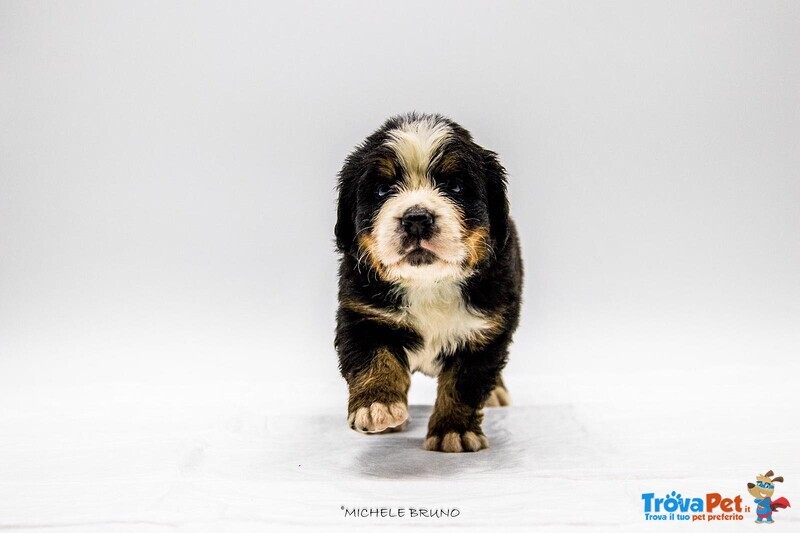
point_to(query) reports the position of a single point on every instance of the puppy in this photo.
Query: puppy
(430, 278)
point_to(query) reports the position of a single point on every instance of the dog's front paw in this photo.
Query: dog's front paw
(379, 417)
(454, 441)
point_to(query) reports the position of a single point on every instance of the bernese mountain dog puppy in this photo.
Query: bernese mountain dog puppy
(430, 278)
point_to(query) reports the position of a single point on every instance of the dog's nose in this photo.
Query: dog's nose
(417, 222)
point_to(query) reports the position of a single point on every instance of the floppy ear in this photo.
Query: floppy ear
(345, 230)
(495, 176)
(751, 485)
(779, 479)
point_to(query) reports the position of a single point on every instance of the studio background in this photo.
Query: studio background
(167, 174)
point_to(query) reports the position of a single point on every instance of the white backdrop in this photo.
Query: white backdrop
(167, 174)
(168, 275)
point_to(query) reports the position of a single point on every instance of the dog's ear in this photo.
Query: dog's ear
(751, 485)
(768, 474)
(345, 229)
(497, 199)
(779, 479)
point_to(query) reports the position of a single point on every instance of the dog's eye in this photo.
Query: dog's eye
(382, 190)
(455, 186)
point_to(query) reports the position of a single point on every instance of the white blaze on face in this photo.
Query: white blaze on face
(417, 145)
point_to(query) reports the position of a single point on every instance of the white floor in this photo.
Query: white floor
(573, 451)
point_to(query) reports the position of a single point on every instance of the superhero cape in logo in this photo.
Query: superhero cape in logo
(780, 503)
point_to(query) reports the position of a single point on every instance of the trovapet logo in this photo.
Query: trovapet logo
(716, 506)
(675, 506)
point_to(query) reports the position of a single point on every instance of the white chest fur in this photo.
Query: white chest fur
(439, 314)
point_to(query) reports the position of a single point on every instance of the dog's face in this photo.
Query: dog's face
(420, 201)
(764, 487)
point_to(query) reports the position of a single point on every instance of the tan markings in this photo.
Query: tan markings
(436, 311)
(386, 317)
(366, 246)
(476, 339)
(450, 412)
(494, 325)
(450, 163)
(385, 381)
(448, 406)
(386, 168)
(441, 317)
(478, 246)
(447, 244)
(446, 323)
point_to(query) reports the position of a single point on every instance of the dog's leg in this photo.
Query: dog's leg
(465, 383)
(379, 395)
(499, 396)
(455, 425)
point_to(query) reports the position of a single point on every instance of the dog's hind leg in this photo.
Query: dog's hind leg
(499, 396)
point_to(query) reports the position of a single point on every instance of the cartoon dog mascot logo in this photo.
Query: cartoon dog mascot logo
(762, 491)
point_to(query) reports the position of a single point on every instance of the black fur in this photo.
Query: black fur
(494, 288)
